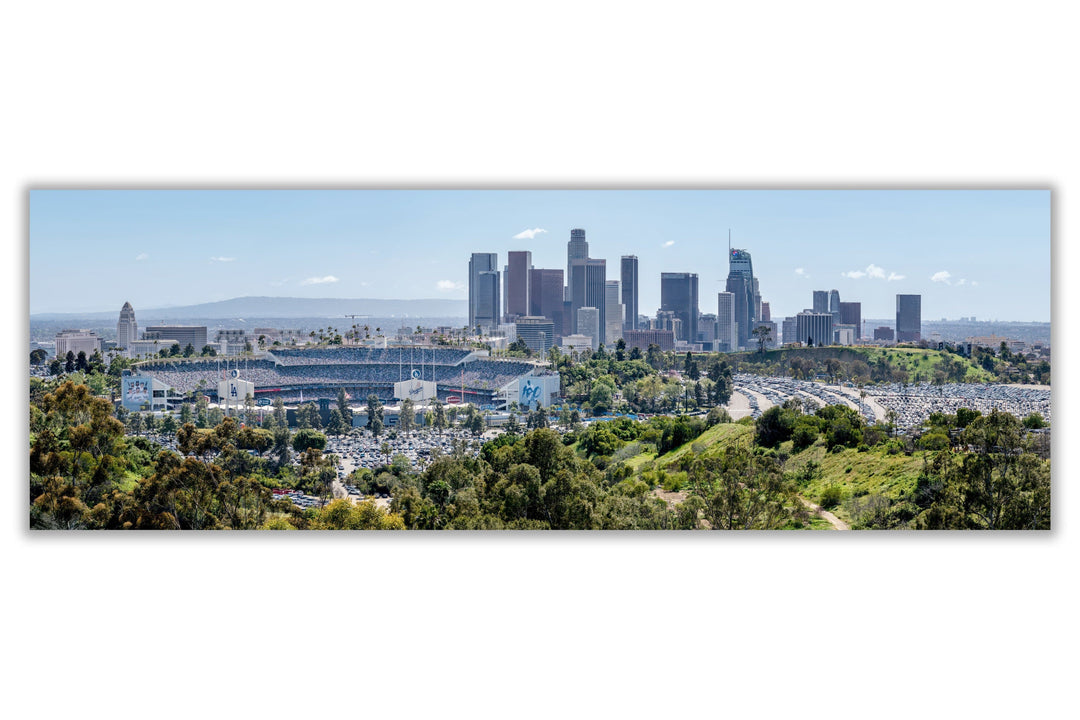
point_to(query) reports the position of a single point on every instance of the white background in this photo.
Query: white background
(540, 94)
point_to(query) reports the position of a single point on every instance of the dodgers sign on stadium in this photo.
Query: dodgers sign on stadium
(415, 390)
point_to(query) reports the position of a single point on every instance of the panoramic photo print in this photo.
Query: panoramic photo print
(798, 360)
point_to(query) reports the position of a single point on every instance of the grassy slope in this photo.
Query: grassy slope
(871, 473)
(715, 439)
(868, 473)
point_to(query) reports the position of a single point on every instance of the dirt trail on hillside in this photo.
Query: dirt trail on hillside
(824, 514)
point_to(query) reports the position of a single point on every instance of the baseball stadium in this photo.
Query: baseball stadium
(299, 375)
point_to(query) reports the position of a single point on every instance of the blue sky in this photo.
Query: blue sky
(984, 253)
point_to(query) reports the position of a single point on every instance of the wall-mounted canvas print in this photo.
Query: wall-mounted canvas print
(797, 360)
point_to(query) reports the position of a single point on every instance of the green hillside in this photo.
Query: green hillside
(853, 476)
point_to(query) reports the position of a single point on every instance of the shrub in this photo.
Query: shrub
(934, 441)
(775, 426)
(1034, 421)
(717, 415)
(804, 435)
(674, 482)
(831, 496)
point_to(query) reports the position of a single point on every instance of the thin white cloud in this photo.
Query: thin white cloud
(279, 283)
(975, 283)
(529, 234)
(801, 272)
(320, 280)
(872, 271)
(142, 256)
(449, 286)
(218, 258)
(941, 276)
(961, 281)
(669, 243)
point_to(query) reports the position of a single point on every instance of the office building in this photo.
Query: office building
(127, 329)
(146, 348)
(788, 331)
(821, 301)
(484, 287)
(814, 328)
(576, 249)
(843, 334)
(576, 343)
(851, 314)
(706, 329)
(727, 334)
(679, 295)
(766, 312)
(629, 278)
(613, 312)
(193, 335)
(546, 296)
(908, 318)
(740, 282)
(883, 333)
(667, 320)
(569, 320)
(518, 278)
(642, 339)
(538, 333)
(589, 286)
(834, 306)
(76, 341)
(772, 339)
(588, 323)
(505, 292)
(232, 342)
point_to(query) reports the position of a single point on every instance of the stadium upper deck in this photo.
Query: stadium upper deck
(321, 372)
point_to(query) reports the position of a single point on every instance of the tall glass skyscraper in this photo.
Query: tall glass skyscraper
(484, 286)
(546, 296)
(679, 294)
(576, 249)
(908, 318)
(740, 282)
(613, 312)
(726, 327)
(851, 314)
(518, 279)
(588, 288)
(629, 278)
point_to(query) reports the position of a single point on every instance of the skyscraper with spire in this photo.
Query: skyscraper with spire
(743, 285)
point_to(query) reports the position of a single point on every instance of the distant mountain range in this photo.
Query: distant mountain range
(283, 307)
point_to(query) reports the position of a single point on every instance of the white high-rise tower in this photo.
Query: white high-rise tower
(127, 330)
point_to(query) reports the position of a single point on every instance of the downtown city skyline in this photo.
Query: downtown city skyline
(958, 249)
